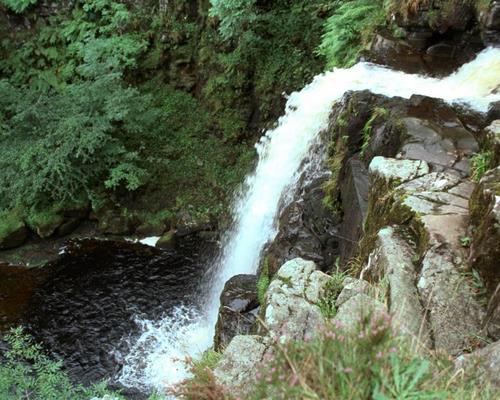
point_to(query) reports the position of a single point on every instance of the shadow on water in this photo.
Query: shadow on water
(81, 307)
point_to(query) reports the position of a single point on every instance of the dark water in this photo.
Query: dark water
(88, 303)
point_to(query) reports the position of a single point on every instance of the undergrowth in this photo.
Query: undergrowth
(369, 362)
(27, 373)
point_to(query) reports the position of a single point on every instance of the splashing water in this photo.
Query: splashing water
(155, 359)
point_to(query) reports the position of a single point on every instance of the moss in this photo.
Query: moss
(379, 113)
(10, 222)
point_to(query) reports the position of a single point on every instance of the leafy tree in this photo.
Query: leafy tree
(58, 145)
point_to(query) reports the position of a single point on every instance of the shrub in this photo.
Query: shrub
(27, 373)
(331, 291)
(65, 143)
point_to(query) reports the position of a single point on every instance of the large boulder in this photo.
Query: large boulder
(291, 300)
(357, 309)
(238, 367)
(482, 364)
(291, 313)
(239, 306)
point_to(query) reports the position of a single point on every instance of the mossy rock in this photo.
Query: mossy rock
(13, 231)
(167, 241)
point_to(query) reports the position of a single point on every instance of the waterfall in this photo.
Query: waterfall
(155, 359)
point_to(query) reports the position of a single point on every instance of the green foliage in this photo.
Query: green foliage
(349, 28)
(331, 291)
(18, 6)
(60, 144)
(29, 374)
(235, 16)
(9, 222)
(93, 41)
(481, 162)
(378, 113)
(367, 363)
(263, 282)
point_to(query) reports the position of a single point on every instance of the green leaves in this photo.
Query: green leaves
(27, 373)
(65, 142)
(348, 27)
(18, 6)
(235, 16)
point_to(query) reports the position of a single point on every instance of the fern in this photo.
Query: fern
(348, 28)
(18, 6)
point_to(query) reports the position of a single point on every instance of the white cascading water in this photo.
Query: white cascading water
(156, 357)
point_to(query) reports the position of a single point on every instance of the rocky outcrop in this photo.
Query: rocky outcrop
(482, 364)
(237, 369)
(357, 309)
(238, 309)
(416, 227)
(439, 219)
(394, 259)
(307, 228)
(436, 37)
(291, 312)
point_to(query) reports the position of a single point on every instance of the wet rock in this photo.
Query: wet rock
(47, 228)
(167, 241)
(485, 215)
(237, 311)
(68, 226)
(403, 55)
(358, 308)
(440, 146)
(236, 371)
(354, 193)
(490, 24)
(482, 364)
(393, 259)
(307, 229)
(114, 222)
(291, 300)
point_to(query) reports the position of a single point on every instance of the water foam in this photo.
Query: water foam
(153, 360)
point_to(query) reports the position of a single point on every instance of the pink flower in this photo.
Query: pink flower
(348, 370)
